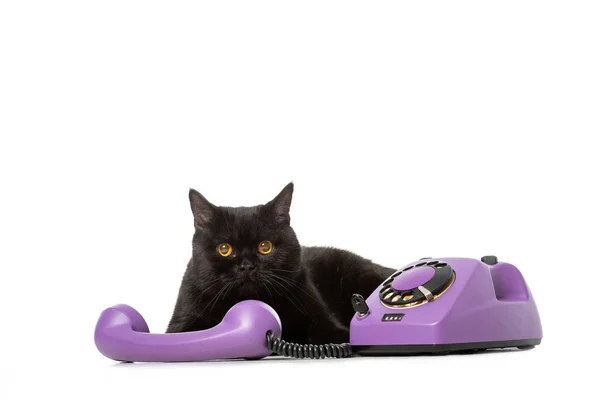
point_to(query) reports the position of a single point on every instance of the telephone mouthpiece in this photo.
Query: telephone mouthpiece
(122, 334)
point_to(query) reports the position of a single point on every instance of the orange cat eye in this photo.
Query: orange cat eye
(225, 249)
(265, 247)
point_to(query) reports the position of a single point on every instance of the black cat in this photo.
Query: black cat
(242, 253)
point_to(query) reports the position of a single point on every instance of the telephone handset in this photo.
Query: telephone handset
(436, 305)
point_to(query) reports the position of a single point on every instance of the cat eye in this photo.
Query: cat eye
(265, 247)
(225, 249)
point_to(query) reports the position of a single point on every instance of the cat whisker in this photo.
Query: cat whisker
(282, 270)
(267, 281)
(214, 298)
(215, 282)
(268, 290)
(299, 286)
(223, 291)
(285, 281)
(203, 291)
(291, 296)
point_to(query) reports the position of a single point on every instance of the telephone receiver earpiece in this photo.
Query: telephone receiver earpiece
(122, 334)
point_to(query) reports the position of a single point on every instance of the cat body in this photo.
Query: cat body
(242, 253)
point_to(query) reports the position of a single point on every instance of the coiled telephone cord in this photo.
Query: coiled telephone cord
(295, 350)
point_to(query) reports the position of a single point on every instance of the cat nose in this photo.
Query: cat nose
(246, 266)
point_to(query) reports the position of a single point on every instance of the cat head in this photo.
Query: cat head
(244, 247)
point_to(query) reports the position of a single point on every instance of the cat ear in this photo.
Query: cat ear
(280, 205)
(202, 209)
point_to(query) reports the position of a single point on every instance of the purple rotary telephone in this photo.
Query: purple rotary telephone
(429, 306)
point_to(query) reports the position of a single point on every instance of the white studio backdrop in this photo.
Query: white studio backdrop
(410, 130)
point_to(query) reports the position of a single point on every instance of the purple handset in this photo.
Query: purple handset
(122, 334)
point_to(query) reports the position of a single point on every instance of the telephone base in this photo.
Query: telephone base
(412, 349)
(447, 305)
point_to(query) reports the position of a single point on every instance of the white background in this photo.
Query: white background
(410, 129)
